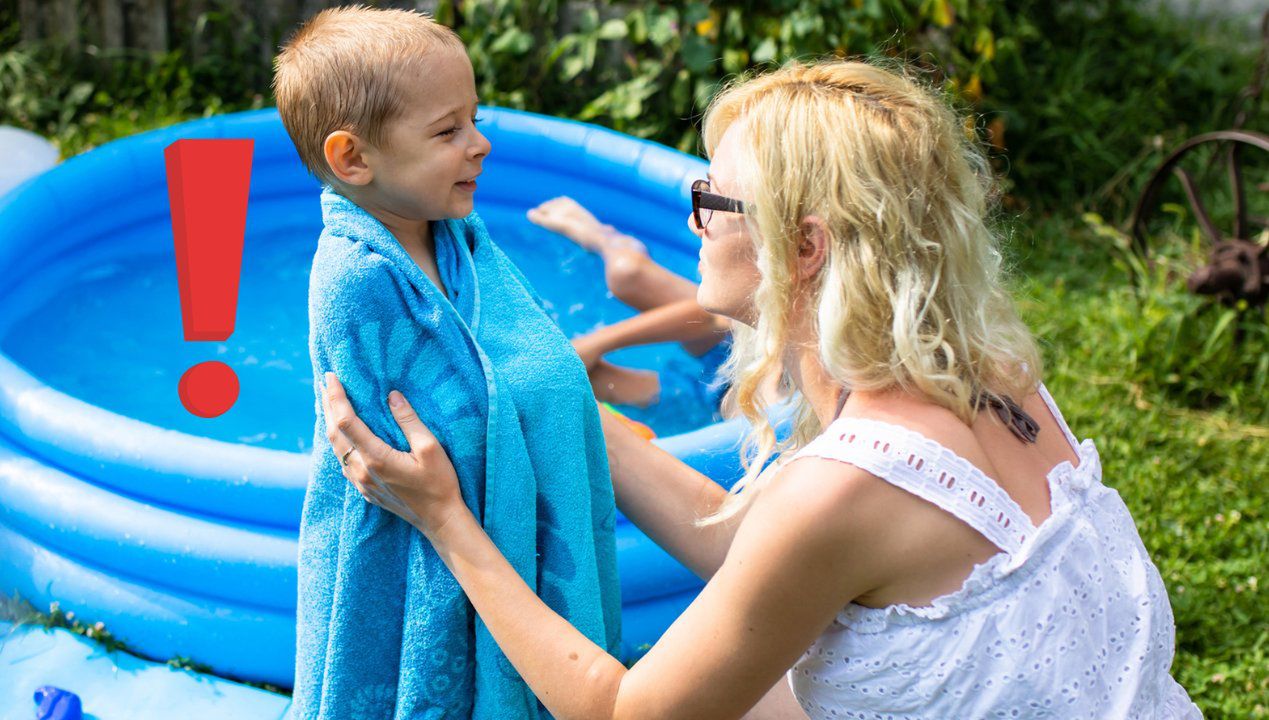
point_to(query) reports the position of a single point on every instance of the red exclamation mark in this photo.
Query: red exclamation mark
(207, 184)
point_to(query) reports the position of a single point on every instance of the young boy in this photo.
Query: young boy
(408, 293)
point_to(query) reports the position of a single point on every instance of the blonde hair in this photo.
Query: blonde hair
(910, 294)
(341, 71)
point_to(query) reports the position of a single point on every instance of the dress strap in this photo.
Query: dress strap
(929, 470)
(1057, 414)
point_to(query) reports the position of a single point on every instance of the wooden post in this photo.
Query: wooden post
(29, 20)
(146, 25)
(63, 23)
(183, 17)
(110, 24)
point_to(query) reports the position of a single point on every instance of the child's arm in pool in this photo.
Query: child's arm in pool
(663, 497)
(684, 321)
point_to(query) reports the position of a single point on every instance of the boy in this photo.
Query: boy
(407, 292)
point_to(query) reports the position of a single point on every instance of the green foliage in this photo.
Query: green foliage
(80, 100)
(1080, 98)
(1094, 93)
(650, 69)
(1199, 353)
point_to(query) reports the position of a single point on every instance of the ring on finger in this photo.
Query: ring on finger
(344, 458)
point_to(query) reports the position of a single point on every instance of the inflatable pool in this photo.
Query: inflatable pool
(180, 532)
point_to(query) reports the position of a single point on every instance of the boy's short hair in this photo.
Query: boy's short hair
(341, 71)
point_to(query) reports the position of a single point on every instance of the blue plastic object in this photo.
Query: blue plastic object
(180, 534)
(116, 685)
(57, 704)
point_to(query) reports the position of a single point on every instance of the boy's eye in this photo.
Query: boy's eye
(475, 119)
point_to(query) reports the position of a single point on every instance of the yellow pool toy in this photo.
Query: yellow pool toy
(639, 428)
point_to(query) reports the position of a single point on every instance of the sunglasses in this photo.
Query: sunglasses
(704, 203)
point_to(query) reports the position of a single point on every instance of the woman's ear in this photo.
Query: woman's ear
(346, 156)
(813, 246)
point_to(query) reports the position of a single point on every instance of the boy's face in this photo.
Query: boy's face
(433, 151)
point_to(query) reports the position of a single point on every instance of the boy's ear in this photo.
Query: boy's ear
(346, 157)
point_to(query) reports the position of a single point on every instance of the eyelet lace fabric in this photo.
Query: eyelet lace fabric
(1070, 620)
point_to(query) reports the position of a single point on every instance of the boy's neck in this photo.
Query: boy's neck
(414, 235)
(416, 238)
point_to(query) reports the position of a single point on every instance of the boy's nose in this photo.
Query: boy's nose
(480, 147)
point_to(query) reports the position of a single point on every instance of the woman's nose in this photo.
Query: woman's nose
(691, 225)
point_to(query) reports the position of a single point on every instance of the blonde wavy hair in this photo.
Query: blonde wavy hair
(911, 292)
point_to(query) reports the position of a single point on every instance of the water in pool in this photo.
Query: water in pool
(107, 330)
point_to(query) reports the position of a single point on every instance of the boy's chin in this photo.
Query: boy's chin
(461, 209)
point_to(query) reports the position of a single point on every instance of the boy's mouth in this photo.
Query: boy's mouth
(466, 185)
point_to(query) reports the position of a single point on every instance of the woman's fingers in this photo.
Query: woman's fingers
(340, 413)
(422, 481)
(354, 468)
(420, 438)
(339, 444)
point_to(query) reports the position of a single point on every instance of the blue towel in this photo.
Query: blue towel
(384, 630)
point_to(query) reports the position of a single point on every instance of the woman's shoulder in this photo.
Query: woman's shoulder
(850, 524)
(829, 483)
(857, 460)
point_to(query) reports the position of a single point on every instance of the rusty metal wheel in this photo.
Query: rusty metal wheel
(1238, 268)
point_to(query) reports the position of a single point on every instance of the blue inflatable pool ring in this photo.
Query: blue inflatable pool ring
(179, 533)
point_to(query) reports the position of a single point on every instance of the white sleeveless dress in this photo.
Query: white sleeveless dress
(1069, 620)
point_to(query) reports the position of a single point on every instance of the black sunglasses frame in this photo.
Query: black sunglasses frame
(702, 199)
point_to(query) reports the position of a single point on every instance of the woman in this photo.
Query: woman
(909, 555)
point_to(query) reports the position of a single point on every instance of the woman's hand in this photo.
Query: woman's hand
(420, 486)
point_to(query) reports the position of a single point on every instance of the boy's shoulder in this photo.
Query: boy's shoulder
(346, 267)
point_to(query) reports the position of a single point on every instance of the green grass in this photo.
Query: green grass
(1178, 410)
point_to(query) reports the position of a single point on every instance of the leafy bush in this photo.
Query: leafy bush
(1096, 92)
(649, 69)
(1079, 97)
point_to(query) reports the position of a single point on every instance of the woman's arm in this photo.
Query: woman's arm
(718, 660)
(795, 562)
(663, 497)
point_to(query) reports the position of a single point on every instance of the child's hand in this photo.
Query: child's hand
(420, 486)
(564, 216)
